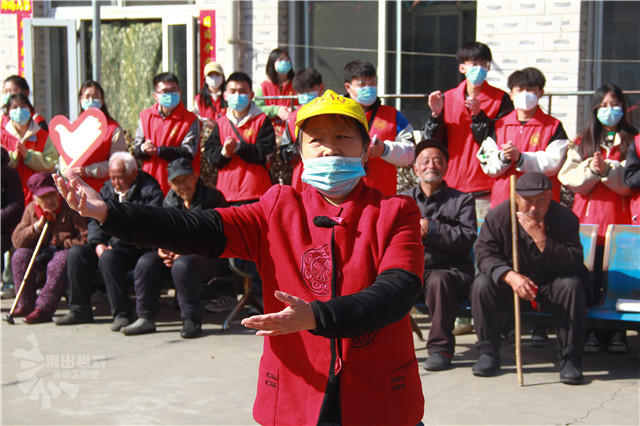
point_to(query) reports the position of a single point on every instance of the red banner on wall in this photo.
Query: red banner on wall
(207, 40)
(22, 9)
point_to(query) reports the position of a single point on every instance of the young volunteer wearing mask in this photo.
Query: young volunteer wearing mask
(209, 104)
(392, 143)
(594, 172)
(166, 131)
(278, 83)
(96, 171)
(461, 119)
(341, 269)
(240, 144)
(526, 140)
(12, 85)
(308, 85)
(30, 149)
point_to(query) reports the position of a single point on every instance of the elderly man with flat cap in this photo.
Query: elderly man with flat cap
(551, 271)
(448, 227)
(188, 271)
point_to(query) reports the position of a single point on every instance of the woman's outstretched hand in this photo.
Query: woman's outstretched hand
(81, 197)
(298, 316)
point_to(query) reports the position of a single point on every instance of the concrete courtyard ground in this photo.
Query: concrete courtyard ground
(86, 374)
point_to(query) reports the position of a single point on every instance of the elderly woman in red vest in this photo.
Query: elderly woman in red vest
(29, 147)
(96, 171)
(278, 83)
(341, 268)
(594, 172)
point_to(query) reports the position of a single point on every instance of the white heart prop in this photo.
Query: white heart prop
(76, 141)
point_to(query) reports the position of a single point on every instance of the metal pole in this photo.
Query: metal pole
(95, 40)
(398, 52)
(382, 46)
(307, 36)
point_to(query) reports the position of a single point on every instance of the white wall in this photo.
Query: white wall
(548, 35)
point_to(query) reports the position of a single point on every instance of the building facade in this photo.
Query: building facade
(578, 45)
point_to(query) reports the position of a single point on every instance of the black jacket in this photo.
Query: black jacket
(203, 199)
(145, 191)
(561, 257)
(452, 227)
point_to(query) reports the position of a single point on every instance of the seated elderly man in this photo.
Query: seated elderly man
(448, 227)
(551, 269)
(113, 257)
(188, 271)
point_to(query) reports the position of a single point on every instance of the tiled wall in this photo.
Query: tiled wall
(548, 35)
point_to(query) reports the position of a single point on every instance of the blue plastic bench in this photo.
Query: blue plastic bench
(621, 275)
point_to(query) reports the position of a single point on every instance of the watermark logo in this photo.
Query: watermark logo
(36, 368)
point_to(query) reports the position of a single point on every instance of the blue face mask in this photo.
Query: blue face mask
(238, 101)
(366, 95)
(5, 98)
(476, 75)
(282, 67)
(304, 98)
(610, 116)
(333, 176)
(90, 103)
(169, 99)
(20, 116)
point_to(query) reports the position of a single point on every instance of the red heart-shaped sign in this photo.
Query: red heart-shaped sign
(76, 141)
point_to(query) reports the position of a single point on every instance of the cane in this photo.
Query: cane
(9, 317)
(516, 267)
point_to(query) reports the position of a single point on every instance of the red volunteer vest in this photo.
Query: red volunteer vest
(37, 118)
(102, 154)
(635, 195)
(380, 174)
(533, 136)
(167, 131)
(378, 371)
(464, 172)
(271, 89)
(602, 206)
(296, 177)
(239, 180)
(210, 113)
(35, 142)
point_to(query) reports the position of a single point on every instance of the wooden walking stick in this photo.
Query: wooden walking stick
(9, 317)
(516, 267)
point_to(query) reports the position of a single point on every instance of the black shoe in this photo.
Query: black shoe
(617, 344)
(121, 321)
(140, 326)
(570, 372)
(539, 337)
(74, 317)
(437, 362)
(191, 329)
(592, 344)
(487, 365)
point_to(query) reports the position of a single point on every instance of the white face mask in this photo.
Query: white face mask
(215, 81)
(525, 101)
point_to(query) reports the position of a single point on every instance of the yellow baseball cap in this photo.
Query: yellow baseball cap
(331, 103)
(215, 67)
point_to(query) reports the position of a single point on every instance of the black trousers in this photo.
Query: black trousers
(567, 300)
(113, 264)
(187, 272)
(444, 289)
